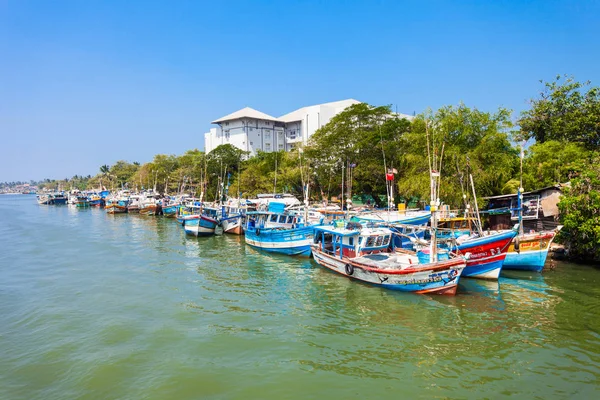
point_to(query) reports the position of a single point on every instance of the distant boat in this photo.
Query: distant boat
(118, 203)
(96, 200)
(55, 198)
(134, 204)
(169, 207)
(44, 199)
(82, 201)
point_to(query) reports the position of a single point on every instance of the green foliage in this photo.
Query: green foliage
(468, 137)
(580, 213)
(564, 112)
(361, 135)
(553, 162)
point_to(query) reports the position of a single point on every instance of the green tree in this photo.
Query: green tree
(565, 111)
(354, 142)
(553, 162)
(580, 214)
(461, 136)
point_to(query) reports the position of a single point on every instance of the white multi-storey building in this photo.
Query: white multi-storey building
(251, 130)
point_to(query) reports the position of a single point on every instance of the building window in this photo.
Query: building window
(280, 146)
(268, 146)
(226, 123)
(227, 134)
(267, 135)
(251, 143)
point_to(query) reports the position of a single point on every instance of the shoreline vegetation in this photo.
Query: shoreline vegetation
(559, 135)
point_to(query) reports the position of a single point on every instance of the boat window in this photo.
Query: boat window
(273, 217)
(379, 241)
(282, 219)
(290, 219)
(386, 240)
(360, 239)
(371, 241)
(351, 241)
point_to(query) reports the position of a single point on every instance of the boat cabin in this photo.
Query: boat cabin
(271, 219)
(351, 240)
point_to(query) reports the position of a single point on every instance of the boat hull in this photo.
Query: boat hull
(200, 226)
(291, 242)
(233, 225)
(531, 253)
(170, 211)
(441, 279)
(149, 210)
(115, 209)
(486, 255)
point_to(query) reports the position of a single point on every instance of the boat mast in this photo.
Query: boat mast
(520, 194)
(433, 175)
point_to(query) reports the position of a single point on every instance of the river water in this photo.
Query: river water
(128, 307)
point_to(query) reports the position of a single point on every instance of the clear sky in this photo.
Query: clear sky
(86, 83)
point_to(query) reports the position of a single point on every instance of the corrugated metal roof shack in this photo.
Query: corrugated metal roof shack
(540, 209)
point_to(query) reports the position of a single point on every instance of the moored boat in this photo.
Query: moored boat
(487, 253)
(200, 225)
(528, 251)
(366, 254)
(276, 231)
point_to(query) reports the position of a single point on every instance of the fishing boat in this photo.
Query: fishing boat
(200, 225)
(528, 251)
(487, 253)
(82, 201)
(232, 216)
(169, 207)
(96, 200)
(408, 225)
(44, 199)
(58, 198)
(134, 204)
(118, 203)
(367, 254)
(233, 223)
(149, 204)
(274, 230)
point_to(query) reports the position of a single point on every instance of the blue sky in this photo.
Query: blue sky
(86, 83)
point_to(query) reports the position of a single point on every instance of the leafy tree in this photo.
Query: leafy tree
(461, 136)
(355, 142)
(580, 213)
(122, 171)
(553, 162)
(566, 111)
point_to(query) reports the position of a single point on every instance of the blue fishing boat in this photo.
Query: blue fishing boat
(200, 225)
(277, 231)
(487, 253)
(169, 210)
(82, 201)
(528, 251)
(367, 254)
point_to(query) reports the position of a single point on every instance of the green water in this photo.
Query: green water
(94, 306)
